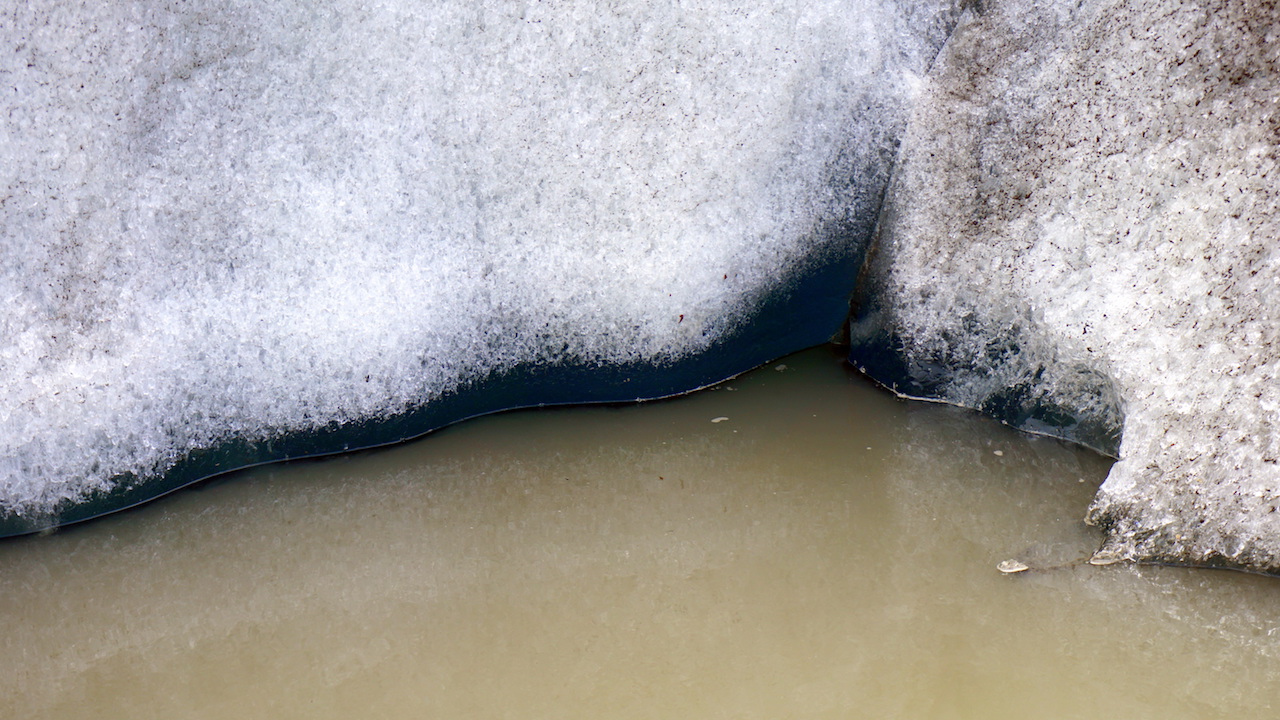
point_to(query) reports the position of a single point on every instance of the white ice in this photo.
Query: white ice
(239, 219)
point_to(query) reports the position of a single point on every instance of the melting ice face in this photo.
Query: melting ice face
(245, 220)
(1086, 217)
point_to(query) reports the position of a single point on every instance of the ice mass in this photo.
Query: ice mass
(241, 232)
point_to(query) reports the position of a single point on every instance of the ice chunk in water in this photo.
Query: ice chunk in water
(230, 225)
(1084, 225)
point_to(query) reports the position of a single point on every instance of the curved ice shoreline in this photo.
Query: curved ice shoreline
(775, 333)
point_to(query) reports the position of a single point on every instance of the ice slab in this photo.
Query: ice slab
(240, 231)
(1082, 238)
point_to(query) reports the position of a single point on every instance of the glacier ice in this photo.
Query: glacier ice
(236, 232)
(1081, 236)
(239, 231)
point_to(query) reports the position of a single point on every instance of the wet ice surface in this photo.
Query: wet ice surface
(826, 551)
(1085, 216)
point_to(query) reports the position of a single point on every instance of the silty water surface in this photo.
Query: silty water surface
(824, 550)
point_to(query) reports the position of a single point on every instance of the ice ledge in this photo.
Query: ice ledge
(801, 312)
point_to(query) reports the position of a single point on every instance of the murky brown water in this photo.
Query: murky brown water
(826, 551)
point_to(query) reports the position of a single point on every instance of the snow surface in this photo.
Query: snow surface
(1086, 210)
(230, 220)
